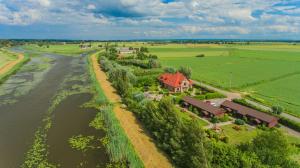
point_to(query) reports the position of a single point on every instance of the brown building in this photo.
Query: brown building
(256, 116)
(206, 108)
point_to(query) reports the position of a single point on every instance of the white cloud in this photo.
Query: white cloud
(154, 18)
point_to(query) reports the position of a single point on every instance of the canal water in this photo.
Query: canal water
(24, 101)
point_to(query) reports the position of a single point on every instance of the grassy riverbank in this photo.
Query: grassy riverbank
(118, 145)
(11, 63)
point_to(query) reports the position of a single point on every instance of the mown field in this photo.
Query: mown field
(68, 49)
(270, 71)
(6, 57)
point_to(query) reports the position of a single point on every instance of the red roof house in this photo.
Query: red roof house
(175, 82)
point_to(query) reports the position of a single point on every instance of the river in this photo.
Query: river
(24, 101)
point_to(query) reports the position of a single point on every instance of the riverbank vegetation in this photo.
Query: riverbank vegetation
(7, 57)
(117, 143)
(186, 143)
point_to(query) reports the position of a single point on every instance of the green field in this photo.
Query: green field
(265, 70)
(68, 49)
(6, 57)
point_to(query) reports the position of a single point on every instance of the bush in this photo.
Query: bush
(239, 122)
(225, 139)
(170, 70)
(277, 110)
(214, 120)
(225, 118)
(289, 123)
(213, 95)
(200, 97)
(200, 55)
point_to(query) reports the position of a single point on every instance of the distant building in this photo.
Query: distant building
(254, 115)
(205, 108)
(175, 82)
(125, 50)
(85, 46)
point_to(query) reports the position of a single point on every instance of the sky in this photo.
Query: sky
(150, 19)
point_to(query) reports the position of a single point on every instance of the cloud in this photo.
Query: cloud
(160, 18)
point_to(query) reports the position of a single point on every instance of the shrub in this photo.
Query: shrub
(225, 118)
(200, 55)
(289, 123)
(214, 120)
(237, 127)
(200, 97)
(277, 110)
(225, 139)
(170, 70)
(213, 95)
(239, 122)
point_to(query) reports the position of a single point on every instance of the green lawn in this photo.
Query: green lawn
(265, 70)
(6, 56)
(68, 49)
(236, 137)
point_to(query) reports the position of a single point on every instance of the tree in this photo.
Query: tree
(141, 56)
(277, 110)
(197, 147)
(271, 147)
(186, 71)
(144, 49)
(153, 63)
(170, 70)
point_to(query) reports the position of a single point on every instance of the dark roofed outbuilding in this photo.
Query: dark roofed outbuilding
(205, 107)
(270, 120)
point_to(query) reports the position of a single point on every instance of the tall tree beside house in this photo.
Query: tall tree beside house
(144, 50)
(187, 71)
(170, 70)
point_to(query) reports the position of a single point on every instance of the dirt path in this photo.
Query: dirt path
(143, 144)
(11, 64)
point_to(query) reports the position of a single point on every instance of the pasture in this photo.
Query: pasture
(68, 49)
(269, 71)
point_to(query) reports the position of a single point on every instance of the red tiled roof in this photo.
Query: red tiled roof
(249, 111)
(204, 106)
(173, 80)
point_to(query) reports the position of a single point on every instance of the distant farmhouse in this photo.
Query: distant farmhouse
(175, 82)
(125, 50)
(85, 46)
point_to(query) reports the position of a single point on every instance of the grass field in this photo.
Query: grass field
(236, 137)
(6, 57)
(270, 71)
(68, 49)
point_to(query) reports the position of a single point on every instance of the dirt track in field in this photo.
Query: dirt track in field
(143, 144)
(11, 64)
